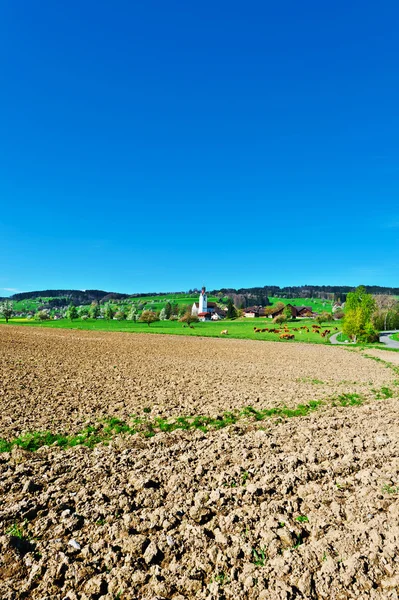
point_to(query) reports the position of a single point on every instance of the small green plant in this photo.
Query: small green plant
(390, 489)
(259, 556)
(350, 399)
(324, 556)
(221, 578)
(281, 524)
(100, 521)
(17, 530)
(244, 477)
(302, 519)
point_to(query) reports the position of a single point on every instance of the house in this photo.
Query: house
(254, 311)
(296, 311)
(205, 310)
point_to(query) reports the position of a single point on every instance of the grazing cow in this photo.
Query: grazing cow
(335, 328)
(287, 336)
(224, 332)
(257, 330)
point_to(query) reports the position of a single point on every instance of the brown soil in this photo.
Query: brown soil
(62, 380)
(190, 515)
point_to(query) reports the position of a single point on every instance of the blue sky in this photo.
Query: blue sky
(152, 146)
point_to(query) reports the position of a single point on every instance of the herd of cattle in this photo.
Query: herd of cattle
(286, 335)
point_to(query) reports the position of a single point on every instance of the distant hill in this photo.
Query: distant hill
(241, 296)
(68, 296)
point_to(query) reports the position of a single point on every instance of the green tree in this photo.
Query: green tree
(132, 315)
(168, 310)
(148, 316)
(109, 311)
(6, 310)
(189, 319)
(324, 317)
(184, 308)
(42, 315)
(231, 310)
(120, 315)
(287, 313)
(72, 312)
(94, 310)
(359, 308)
(280, 319)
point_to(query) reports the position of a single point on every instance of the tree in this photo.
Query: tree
(359, 308)
(184, 309)
(94, 310)
(148, 316)
(42, 315)
(278, 306)
(120, 315)
(385, 304)
(231, 310)
(280, 319)
(162, 315)
(132, 315)
(323, 317)
(109, 311)
(72, 312)
(6, 310)
(168, 310)
(83, 311)
(189, 319)
(287, 313)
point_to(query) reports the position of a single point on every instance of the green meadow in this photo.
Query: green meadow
(239, 328)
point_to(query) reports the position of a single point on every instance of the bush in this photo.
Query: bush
(368, 334)
(42, 315)
(120, 315)
(280, 319)
(147, 316)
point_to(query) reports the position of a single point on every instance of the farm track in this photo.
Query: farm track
(296, 508)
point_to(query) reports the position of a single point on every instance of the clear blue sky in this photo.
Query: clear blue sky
(162, 145)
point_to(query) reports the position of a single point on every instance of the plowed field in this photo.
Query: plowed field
(281, 509)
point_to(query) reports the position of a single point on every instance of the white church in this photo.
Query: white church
(206, 311)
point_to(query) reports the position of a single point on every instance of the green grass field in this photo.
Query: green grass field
(395, 336)
(316, 304)
(240, 328)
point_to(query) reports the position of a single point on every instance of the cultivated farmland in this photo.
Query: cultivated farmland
(176, 467)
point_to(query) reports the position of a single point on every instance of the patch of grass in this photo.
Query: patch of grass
(310, 380)
(350, 399)
(104, 431)
(244, 477)
(221, 578)
(390, 489)
(259, 556)
(17, 530)
(302, 519)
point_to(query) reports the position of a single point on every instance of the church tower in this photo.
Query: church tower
(203, 301)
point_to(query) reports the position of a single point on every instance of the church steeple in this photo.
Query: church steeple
(203, 301)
